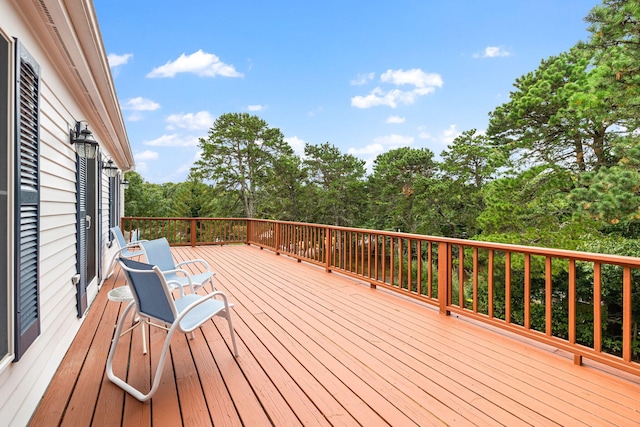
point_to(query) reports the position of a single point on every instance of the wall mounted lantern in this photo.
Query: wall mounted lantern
(83, 141)
(124, 183)
(110, 169)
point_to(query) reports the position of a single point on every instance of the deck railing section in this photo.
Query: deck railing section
(587, 304)
(187, 231)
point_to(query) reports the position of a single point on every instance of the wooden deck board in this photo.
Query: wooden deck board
(321, 349)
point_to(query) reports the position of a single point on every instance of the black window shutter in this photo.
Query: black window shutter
(27, 204)
(112, 203)
(81, 165)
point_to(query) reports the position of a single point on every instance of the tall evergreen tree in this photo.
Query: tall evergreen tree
(338, 184)
(238, 154)
(397, 175)
(193, 199)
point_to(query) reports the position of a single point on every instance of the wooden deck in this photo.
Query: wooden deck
(320, 349)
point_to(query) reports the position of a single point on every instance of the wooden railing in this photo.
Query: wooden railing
(585, 303)
(187, 231)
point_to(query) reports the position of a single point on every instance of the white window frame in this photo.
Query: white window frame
(6, 276)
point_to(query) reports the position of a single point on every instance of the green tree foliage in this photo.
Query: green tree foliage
(611, 195)
(286, 197)
(616, 42)
(337, 184)
(544, 122)
(397, 175)
(531, 208)
(238, 154)
(469, 163)
(472, 159)
(193, 199)
(144, 199)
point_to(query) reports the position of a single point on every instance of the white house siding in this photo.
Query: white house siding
(23, 383)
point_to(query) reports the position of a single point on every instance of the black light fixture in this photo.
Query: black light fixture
(83, 141)
(110, 169)
(124, 183)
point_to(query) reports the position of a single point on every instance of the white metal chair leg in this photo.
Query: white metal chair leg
(158, 373)
(232, 333)
(143, 326)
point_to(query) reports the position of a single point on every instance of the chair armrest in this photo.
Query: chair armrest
(133, 244)
(212, 295)
(186, 274)
(130, 251)
(178, 285)
(193, 261)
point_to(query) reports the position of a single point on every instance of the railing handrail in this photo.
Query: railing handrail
(448, 273)
(508, 247)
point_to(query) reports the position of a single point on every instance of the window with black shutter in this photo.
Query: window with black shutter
(27, 200)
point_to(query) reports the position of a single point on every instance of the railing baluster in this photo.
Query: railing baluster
(577, 359)
(527, 291)
(507, 287)
(419, 267)
(490, 283)
(548, 300)
(597, 307)
(443, 275)
(476, 270)
(461, 277)
(626, 314)
(430, 270)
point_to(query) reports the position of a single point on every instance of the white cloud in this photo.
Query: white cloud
(362, 79)
(449, 134)
(183, 169)
(369, 151)
(173, 140)
(117, 60)
(146, 155)
(492, 52)
(422, 133)
(199, 63)
(135, 117)
(297, 144)
(142, 157)
(140, 104)
(395, 119)
(202, 120)
(256, 107)
(391, 98)
(141, 167)
(368, 154)
(415, 77)
(424, 84)
(394, 141)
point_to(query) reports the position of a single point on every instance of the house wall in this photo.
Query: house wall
(23, 383)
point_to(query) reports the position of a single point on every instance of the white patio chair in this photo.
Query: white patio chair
(124, 249)
(154, 304)
(158, 252)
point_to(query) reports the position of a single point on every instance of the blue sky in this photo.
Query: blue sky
(364, 75)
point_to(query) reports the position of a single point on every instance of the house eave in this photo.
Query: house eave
(69, 33)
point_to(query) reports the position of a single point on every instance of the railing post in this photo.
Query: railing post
(277, 237)
(327, 249)
(193, 232)
(249, 231)
(444, 285)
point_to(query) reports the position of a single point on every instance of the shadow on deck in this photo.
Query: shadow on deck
(322, 349)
